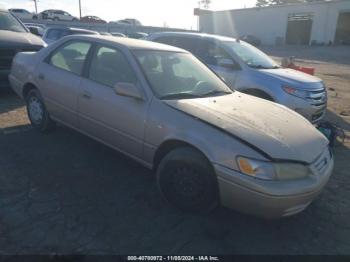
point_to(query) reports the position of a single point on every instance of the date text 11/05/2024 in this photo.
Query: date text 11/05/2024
(173, 258)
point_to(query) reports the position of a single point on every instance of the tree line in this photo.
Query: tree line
(263, 3)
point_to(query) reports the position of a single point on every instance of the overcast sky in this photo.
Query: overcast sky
(174, 13)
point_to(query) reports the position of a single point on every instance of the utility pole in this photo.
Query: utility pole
(199, 7)
(36, 6)
(79, 9)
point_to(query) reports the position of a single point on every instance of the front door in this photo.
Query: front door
(211, 54)
(116, 120)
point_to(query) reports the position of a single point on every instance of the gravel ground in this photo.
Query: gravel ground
(65, 193)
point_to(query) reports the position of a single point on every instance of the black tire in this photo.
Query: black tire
(187, 180)
(38, 115)
(258, 93)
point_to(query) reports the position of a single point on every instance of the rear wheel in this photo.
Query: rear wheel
(187, 180)
(37, 113)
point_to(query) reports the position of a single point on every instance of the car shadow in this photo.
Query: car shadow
(9, 101)
(65, 193)
(338, 120)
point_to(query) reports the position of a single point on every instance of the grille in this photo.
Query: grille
(318, 115)
(6, 56)
(318, 97)
(322, 162)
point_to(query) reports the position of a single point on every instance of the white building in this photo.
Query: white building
(309, 23)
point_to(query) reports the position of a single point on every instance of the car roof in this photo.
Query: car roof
(132, 44)
(70, 28)
(195, 35)
(53, 10)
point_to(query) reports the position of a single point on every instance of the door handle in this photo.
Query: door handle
(41, 76)
(86, 95)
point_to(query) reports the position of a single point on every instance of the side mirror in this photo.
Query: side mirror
(34, 30)
(228, 63)
(128, 89)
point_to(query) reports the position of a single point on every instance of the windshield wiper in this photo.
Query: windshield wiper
(258, 67)
(179, 96)
(264, 67)
(215, 92)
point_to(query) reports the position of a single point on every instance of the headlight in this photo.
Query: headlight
(296, 92)
(255, 168)
(272, 171)
(291, 171)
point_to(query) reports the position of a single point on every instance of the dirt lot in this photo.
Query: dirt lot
(65, 193)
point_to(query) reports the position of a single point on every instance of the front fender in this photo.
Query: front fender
(166, 123)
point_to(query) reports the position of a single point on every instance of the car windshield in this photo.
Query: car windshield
(179, 75)
(252, 56)
(10, 23)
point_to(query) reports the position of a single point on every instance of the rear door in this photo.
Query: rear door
(59, 77)
(116, 120)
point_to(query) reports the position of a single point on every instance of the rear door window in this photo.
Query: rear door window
(178, 41)
(71, 57)
(168, 40)
(186, 43)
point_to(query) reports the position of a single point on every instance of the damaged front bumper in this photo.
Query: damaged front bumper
(271, 199)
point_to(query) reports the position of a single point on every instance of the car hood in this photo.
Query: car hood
(279, 132)
(16, 39)
(293, 77)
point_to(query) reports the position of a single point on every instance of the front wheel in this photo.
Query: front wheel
(37, 113)
(187, 180)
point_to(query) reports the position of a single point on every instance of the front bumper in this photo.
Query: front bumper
(269, 199)
(313, 113)
(313, 109)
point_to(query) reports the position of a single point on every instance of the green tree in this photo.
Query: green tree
(285, 2)
(205, 3)
(262, 3)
